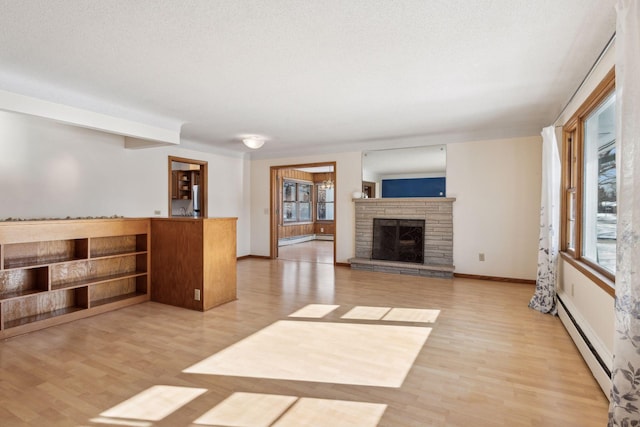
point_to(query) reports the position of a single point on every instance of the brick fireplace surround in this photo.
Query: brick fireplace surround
(438, 234)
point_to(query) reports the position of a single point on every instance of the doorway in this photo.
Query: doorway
(369, 189)
(303, 212)
(187, 187)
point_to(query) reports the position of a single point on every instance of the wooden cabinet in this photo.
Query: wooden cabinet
(53, 272)
(182, 183)
(174, 185)
(191, 258)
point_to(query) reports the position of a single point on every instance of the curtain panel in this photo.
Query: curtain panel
(625, 378)
(544, 299)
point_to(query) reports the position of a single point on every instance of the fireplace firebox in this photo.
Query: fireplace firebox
(398, 240)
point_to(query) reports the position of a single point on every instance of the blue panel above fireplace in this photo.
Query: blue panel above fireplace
(414, 187)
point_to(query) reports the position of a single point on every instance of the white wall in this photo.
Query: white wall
(497, 186)
(592, 308)
(497, 189)
(49, 169)
(348, 180)
(577, 293)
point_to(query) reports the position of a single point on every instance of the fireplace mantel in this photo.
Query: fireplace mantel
(437, 212)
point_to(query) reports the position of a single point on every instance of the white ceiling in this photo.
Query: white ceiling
(313, 76)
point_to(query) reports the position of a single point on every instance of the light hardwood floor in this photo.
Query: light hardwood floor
(488, 360)
(320, 251)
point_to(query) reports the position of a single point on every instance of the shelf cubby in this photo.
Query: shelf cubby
(36, 308)
(21, 255)
(22, 282)
(118, 245)
(113, 291)
(97, 280)
(93, 271)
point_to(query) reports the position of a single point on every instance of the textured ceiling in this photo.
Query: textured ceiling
(312, 76)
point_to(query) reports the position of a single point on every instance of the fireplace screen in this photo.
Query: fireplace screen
(398, 240)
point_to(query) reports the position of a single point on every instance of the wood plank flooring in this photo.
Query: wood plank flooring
(489, 360)
(320, 251)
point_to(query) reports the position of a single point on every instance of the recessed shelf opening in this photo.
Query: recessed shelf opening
(20, 255)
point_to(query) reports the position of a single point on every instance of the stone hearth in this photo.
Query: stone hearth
(437, 212)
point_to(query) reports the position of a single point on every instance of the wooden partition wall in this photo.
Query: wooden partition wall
(193, 261)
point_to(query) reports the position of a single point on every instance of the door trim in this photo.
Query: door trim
(204, 179)
(274, 200)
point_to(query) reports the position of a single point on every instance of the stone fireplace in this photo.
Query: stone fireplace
(437, 216)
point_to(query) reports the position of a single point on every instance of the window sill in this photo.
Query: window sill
(297, 223)
(594, 275)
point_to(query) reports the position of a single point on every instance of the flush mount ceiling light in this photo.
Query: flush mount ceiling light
(253, 142)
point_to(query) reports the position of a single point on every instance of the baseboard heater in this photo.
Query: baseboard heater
(285, 241)
(588, 351)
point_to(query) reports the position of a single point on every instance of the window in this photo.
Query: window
(571, 197)
(599, 215)
(590, 176)
(296, 201)
(324, 206)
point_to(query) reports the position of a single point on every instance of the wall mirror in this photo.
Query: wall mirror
(405, 172)
(187, 187)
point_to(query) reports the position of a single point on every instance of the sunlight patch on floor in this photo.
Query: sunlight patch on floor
(412, 315)
(247, 409)
(314, 311)
(264, 410)
(339, 353)
(155, 403)
(114, 422)
(366, 313)
(331, 413)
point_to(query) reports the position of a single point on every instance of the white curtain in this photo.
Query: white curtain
(625, 393)
(544, 299)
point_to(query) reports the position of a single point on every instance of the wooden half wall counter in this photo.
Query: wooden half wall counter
(193, 261)
(57, 271)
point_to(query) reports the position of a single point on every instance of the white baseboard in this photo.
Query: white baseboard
(298, 239)
(301, 239)
(328, 237)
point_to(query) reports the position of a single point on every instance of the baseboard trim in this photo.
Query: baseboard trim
(494, 278)
(240, 258)
(296, 239)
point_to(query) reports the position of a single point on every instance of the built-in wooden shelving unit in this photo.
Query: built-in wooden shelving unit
(53, 272)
